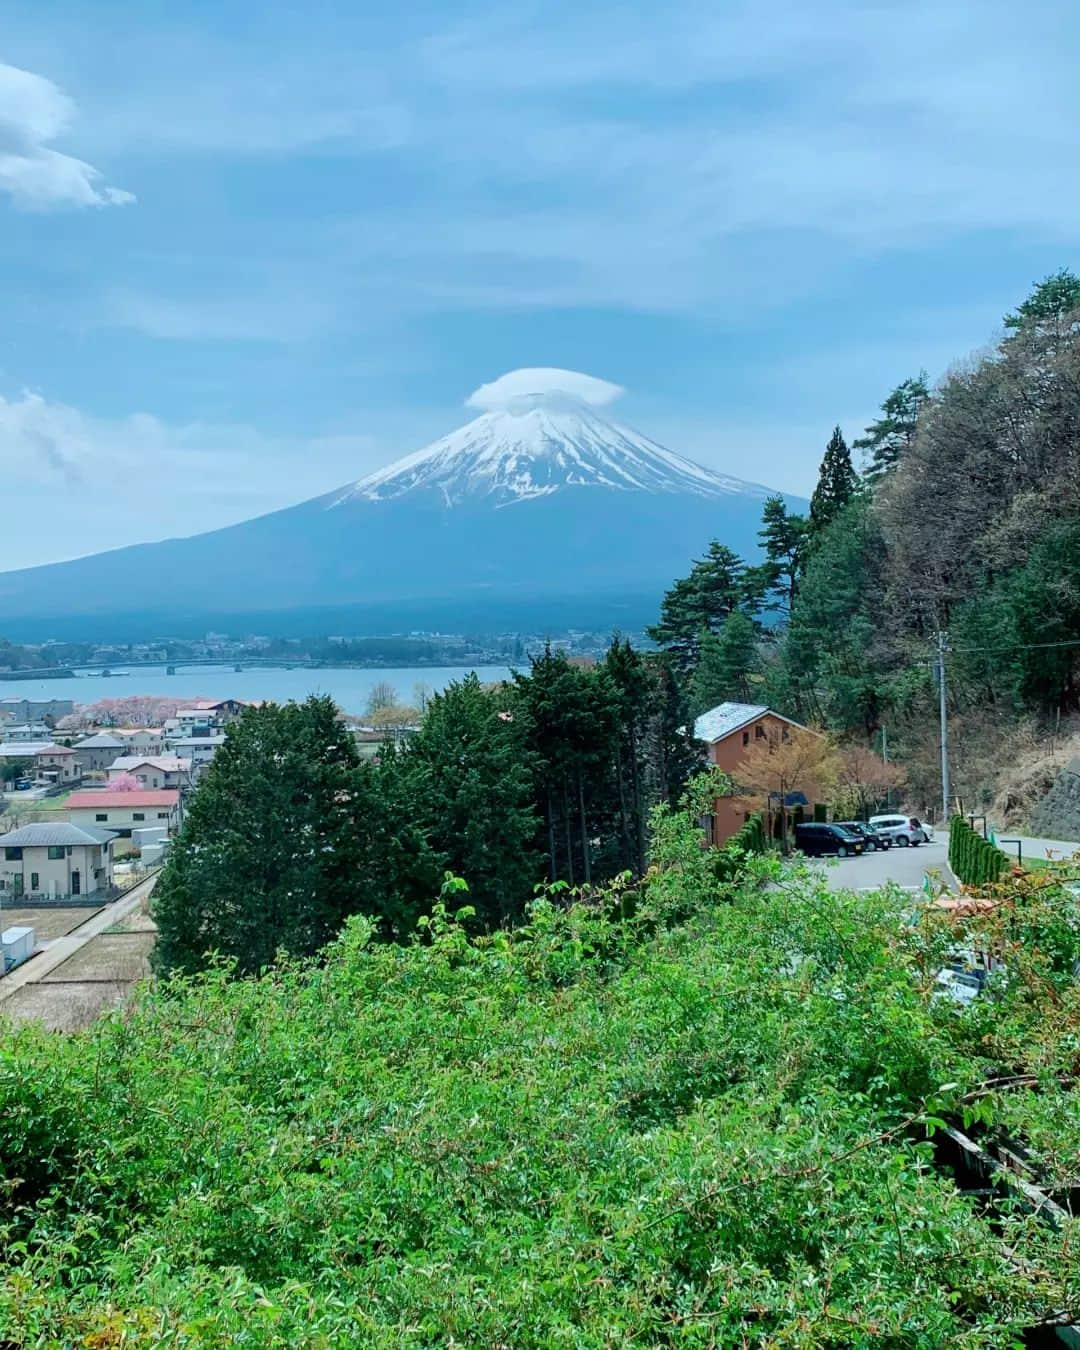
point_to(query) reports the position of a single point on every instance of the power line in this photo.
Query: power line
(1021, 646)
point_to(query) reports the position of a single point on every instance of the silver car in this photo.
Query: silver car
(904, 831)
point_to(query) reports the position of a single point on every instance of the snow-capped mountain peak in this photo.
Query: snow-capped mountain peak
(541, 434)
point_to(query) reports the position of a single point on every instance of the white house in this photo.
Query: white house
(140, 740)
(54, 861)
(199, 749)
(153, 771)
(100, 808)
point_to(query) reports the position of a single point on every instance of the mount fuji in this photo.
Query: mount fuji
(541, 510)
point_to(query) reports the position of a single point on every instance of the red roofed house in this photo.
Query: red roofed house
(125, 811)
(728, 731)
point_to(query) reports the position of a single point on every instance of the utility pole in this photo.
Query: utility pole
(885, 744)
(942, 648)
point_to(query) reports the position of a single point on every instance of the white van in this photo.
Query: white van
(902, 830)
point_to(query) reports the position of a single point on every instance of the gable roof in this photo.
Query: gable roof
(58, 750)
(91, 798)
(725, 718)
(166, 763)
(51, 834)
(101, 741)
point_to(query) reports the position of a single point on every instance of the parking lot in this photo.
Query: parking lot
(905, 866)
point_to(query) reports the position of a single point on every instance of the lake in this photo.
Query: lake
(348, 687)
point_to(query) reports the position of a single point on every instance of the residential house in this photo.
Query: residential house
(59, 764)
(57, 861)
(140, 740)
(104, 808)
(728, 732)
(50, 760)
(200, 750)
(153, 771)
(25, 731)
(97, 752)
(34, 709)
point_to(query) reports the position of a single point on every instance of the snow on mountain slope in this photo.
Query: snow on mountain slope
(541, 433)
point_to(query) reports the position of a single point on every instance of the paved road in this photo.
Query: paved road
(904, 866)
(1038, 848)
(58, 951)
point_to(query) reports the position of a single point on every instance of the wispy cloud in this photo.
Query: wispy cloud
(33, 113)
(157, 478)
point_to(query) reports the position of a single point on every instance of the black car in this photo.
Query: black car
(816, 840)
(872, 841)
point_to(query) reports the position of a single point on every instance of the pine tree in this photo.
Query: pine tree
(718, 584)
(836, 484)
(888, 439)
(1053, 299)
(783, 538)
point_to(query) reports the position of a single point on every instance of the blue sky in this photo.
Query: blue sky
(251, 252)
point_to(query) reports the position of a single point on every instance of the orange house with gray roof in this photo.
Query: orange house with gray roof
(728, 732)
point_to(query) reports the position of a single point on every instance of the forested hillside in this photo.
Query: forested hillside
(961, 517)
(708, 1112)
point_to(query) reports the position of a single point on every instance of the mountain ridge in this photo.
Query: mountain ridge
(599, 513)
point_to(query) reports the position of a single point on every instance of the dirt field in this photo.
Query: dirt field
(139, 922)
(46, 923)
(120, 957)
(65, 1007)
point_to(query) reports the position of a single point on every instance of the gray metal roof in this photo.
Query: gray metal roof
(101, 741)
(23, 749)
(63, 832)
(725, 718)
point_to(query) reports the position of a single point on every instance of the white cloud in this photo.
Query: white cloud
(89, 483)
(532, 383)
(34, 112)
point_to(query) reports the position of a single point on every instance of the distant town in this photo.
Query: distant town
(57, 658)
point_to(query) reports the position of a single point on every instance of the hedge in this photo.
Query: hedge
(751, 837)
(975, 860)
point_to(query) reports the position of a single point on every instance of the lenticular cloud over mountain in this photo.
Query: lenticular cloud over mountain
(543, 503)
(543, 384)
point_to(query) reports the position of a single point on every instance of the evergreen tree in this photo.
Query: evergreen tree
(268, 857)
(889, 438)
(473, 793)
(835, 486)
(783, 537)
(727, 660)
(718, 584)
(1053, 299)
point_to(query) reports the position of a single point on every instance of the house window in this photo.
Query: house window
(138, 815)
(33, 881)
(759, 732)
(785, 734)
(163, 815)
(746, 738)
(13, 854)
(56, 852)
(102, 815)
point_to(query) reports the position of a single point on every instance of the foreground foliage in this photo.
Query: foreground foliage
(699, 1113)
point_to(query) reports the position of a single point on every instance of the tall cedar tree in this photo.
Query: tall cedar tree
(473, 794)
(835, 486)
(268, 857)
(717, 584)
(887, 440)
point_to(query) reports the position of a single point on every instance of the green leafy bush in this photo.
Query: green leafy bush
(701, 1118)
